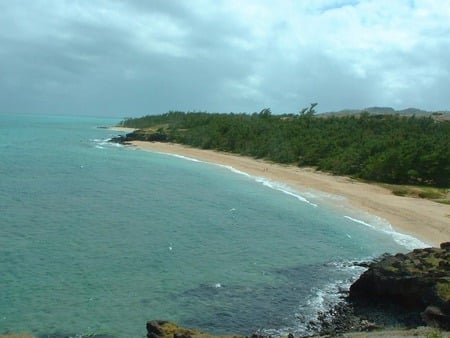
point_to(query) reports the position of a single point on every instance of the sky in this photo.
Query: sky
(137, 57)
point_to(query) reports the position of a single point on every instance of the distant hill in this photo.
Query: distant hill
(438, 115)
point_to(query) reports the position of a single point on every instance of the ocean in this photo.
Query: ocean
(97, 239)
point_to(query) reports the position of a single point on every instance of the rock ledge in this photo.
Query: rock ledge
(418, 280)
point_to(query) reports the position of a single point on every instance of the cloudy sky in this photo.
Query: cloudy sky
(136, 57)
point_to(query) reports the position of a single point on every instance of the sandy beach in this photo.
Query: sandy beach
(125, 129)
(423, 219)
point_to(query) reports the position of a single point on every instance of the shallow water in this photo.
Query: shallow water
(96, 238)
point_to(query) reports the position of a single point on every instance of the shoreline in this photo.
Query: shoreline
(422, 219)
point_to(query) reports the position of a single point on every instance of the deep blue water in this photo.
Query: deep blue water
(97, 238)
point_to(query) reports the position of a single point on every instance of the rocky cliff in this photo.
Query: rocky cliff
(417, 281)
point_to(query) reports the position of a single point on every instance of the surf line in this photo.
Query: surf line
(266, 182)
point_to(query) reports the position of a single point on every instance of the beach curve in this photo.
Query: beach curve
(423, 219)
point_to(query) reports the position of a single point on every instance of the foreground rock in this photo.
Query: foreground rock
(166, 329)
(418, 281)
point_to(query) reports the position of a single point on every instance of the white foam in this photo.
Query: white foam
(360, 222)
(287, 191)
(379, 224)
(271, 184)
(185, 158)
(321, 300)
(376, 223)
(178, 156)
(103, 143)
(236, 171)
(266, 182)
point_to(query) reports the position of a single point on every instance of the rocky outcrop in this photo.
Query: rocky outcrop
(142, 135)
(166, 329)
(418, 281)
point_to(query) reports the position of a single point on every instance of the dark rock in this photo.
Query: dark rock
(181, 335)
(340, 319)
(414, 281)
(255, 335)
(362, 264)
(166, 329)
(141, 135)
(445, 246)
(154, 328)
(117, 139)
(433, 316)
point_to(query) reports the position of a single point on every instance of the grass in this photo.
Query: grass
(444, 290)
(434, 334)
(391, 269)
(440, 195)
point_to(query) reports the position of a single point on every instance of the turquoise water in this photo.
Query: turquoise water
(97, 238)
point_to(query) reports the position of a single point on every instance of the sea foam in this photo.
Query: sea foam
(316, 307)
(272, 185)
(264, 181)
(379, 224)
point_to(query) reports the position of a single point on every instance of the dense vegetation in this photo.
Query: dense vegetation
(383, 148)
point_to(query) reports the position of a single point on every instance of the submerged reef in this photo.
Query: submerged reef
(415, 286)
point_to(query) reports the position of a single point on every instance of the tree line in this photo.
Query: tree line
(382, 148)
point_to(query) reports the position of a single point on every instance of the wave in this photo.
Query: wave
(376, 223)
(271, 184)
(317, 306)
(104, 143)
(284, 189)
(379, 224)
(266, 182)
(99, 143)
(184, 157)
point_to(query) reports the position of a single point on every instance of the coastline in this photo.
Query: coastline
(423, 219)
(124, 129)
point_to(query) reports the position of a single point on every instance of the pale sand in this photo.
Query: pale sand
(423, 219)
(124, 129)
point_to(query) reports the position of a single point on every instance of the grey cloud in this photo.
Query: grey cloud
(140, 57)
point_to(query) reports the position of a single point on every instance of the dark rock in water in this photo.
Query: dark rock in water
(340, 319)
(118, 139)
(154, 328)
(141, 135)
(418, 281)
(166, 329)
